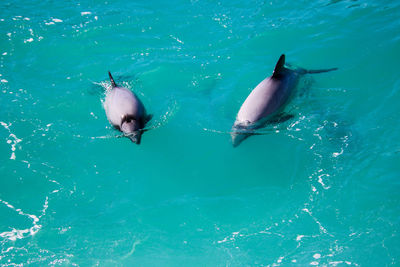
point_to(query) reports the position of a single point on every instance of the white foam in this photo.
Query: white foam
(4, 81)
(336, 154)
(5, 125)
(27, 163)
(8, 249)
(176, 39)
(314, 189)
(57, 20)
(28, 40)
(15, 234)
(85, 13)
(317, 256)
(16, 141)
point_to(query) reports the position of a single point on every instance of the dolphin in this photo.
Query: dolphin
(266, 102)
(125, 111)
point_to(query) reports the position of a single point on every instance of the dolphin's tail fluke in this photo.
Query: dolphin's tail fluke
(112, 80)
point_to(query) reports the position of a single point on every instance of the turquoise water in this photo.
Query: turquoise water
(321, 189)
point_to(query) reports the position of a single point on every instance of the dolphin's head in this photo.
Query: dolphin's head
(132, 128)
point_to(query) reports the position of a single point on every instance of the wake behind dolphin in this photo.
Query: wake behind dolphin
(125, 111)
(266, 102)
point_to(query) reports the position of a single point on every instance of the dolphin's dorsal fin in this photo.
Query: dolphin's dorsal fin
(280, 66)
(112, 80)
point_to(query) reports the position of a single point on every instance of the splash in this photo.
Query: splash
(164, 118)
(13, 140)
(15, 234)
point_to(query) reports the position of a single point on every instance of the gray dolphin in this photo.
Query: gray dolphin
(267, 100)
(125, 111)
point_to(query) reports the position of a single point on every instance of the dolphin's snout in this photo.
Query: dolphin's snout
(135, 137)
(238, 137)
(235, 141)
(240, 131)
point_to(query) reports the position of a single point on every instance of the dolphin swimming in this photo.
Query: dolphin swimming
(125, 111)
(266, 102)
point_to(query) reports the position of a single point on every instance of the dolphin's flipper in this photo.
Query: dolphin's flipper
(148, 117)
(280, 66)
(305, 71)
(320, 71)
(280, 117)
(112, 80)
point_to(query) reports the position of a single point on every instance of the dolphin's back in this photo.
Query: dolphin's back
(121, 101)
(264, 100)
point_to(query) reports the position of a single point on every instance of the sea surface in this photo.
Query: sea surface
(321, 189)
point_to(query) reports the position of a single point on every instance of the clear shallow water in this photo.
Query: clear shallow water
(322, 189)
